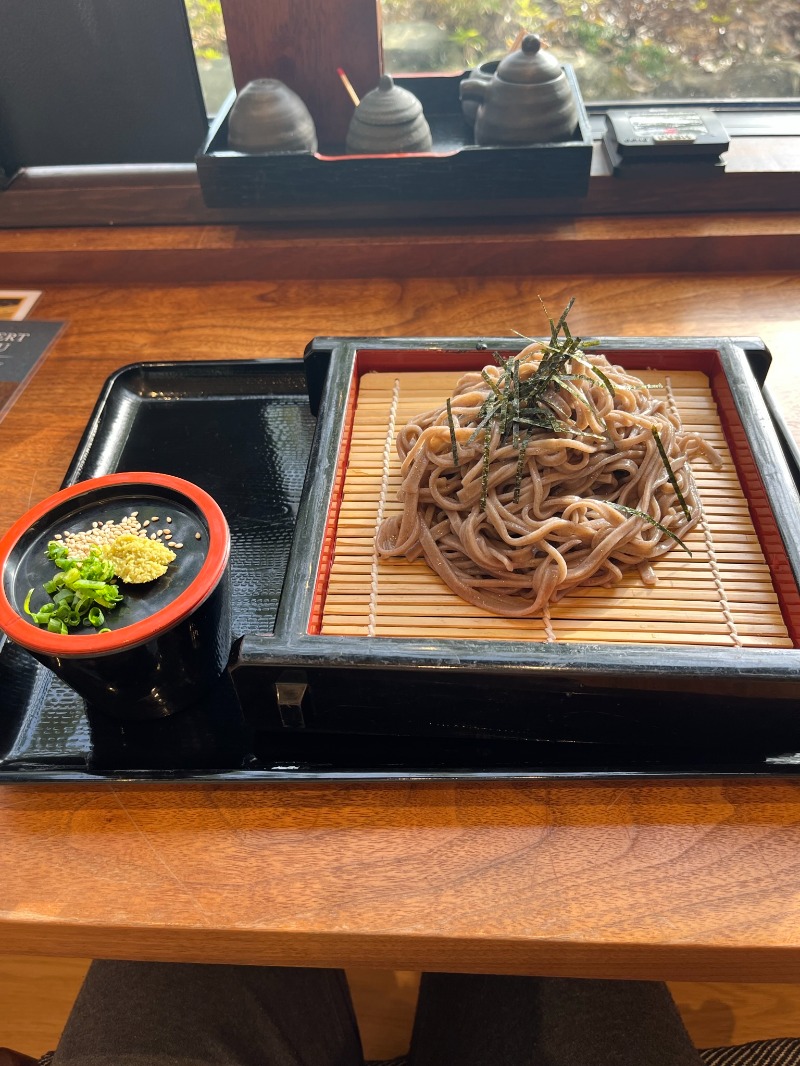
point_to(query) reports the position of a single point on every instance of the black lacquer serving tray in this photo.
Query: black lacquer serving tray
(447, 180)
(265, 439)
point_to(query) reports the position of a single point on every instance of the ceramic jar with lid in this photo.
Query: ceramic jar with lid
(528, 100)
(388, 120)
(267, 116)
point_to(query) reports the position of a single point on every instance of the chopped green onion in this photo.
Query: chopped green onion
(79, 590)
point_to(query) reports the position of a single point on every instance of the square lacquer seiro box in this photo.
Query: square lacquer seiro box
(705, 653)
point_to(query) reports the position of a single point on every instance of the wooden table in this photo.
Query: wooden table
(680, 881)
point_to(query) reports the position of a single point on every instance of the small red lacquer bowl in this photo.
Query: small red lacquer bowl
(170, 639)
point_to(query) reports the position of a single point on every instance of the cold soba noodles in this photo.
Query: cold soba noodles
(546, 471)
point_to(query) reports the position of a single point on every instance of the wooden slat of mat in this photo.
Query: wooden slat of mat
(409, 600)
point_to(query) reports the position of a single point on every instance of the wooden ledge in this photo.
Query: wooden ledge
(691, 243)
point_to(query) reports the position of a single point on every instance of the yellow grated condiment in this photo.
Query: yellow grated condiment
(137, 560)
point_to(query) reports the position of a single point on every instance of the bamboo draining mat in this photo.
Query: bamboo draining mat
(723, 595)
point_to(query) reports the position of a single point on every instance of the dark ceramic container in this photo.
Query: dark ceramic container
(528, 99)
(482, 74)
(389, 119)
(268, 116)
(170, 639)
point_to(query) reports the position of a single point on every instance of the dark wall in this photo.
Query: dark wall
(97, 81)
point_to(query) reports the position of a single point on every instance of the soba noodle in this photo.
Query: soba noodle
(513, 526)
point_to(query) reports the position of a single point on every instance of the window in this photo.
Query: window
(620, 49)
(211, 51)
(720, 51)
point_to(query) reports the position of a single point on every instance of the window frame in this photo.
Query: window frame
(762, 172)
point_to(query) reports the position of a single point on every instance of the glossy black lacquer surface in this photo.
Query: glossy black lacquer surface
(244, 432)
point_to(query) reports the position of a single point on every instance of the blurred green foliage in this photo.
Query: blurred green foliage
(641, 44)
(620, 48)
(208, 30)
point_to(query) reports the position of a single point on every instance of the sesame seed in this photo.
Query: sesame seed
(146, 524)
(154, 518)
(168, 518)
(197, 536)
(134, 514)
(177, 545)
(152, 536)
(57, 536)
(101, 535)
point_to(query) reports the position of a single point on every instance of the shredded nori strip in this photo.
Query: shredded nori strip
(453, 441)
(513, 403)
(672, 479)
(520, 467)
(634, 512)
(487, 442)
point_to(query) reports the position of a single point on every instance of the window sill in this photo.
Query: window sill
(690, 243)
(57, 226)
(762, 173)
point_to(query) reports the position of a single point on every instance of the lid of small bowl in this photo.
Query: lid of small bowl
(529, 65)
(147, 610)
(388, 104)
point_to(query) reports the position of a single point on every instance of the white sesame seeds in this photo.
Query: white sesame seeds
(197, 536)
(145, 524)
(152, 536)
(168, 518)
(99, 536)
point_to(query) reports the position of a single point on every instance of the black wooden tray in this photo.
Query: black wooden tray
(244, 432)
(456, 171)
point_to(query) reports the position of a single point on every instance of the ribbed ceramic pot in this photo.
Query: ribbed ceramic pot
(170, 639)
(388, 121)
(267, 116)
(528, 100)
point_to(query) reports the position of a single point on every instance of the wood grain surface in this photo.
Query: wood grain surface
(761, 176)
(651, 244)
(302, 43)
(689, 881)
